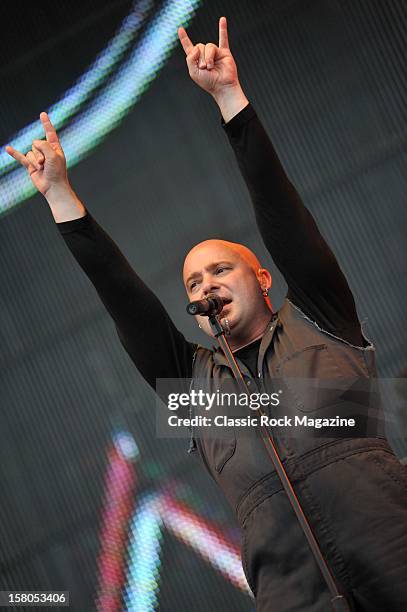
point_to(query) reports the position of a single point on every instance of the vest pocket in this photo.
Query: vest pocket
(220, 450)
(219, 439)
(312, 379)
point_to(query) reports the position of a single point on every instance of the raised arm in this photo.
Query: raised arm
(146, 331)
(315, 280)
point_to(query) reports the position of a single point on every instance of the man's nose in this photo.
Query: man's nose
(209, 285)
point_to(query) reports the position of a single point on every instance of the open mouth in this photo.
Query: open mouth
(225, 304)
(226, 301)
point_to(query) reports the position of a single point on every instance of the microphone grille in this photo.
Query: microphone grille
(192, 308)
(218, 301)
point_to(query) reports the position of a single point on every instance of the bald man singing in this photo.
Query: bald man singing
(352, 490)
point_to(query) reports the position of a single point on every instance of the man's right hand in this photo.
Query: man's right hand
(46, 165)
(46, 162)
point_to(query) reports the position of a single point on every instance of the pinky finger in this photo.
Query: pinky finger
(18, 156)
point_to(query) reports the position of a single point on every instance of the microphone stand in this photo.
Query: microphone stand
(338, 601)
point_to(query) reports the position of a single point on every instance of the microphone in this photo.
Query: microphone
(209, 306)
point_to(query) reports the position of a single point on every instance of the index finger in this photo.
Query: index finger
(223, 34)
(50, 131)
(17, 156)
(185, 40)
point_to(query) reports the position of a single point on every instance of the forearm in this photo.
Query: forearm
(280, 213)
(146, 331)
(288, 229)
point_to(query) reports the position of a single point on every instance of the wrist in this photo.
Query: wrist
(64, 203)
(58, 191)
(230, 100)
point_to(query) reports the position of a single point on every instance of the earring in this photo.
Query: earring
(265, 292)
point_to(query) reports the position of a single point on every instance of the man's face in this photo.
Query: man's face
(213, 267)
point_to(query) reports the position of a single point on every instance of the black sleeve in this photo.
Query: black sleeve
(315, 281)
(159, 350)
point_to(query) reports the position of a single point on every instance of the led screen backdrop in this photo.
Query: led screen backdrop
(91, 501)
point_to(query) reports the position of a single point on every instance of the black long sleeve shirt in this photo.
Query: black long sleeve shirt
(315, 281)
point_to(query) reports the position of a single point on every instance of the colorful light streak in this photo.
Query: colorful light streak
(141, 594)
(129, 561)
(162, 510)
(121, 482)
(205, 538)
(78, 94)
(107, 109)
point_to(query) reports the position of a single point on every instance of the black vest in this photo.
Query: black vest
(318, 375)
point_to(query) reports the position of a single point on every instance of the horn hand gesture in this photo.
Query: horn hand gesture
(45, 163)
(210, 66)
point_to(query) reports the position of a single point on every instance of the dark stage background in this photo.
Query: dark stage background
(329, 81)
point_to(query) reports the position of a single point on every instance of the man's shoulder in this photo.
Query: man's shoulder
(204, 357)
(203, 352)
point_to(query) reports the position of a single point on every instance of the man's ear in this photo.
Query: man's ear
(264, 278)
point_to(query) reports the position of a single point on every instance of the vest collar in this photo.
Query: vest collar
(220, 359)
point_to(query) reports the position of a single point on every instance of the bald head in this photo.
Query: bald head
(238, 250)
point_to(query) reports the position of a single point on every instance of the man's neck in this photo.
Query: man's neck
(248, 343)
(243, 344)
